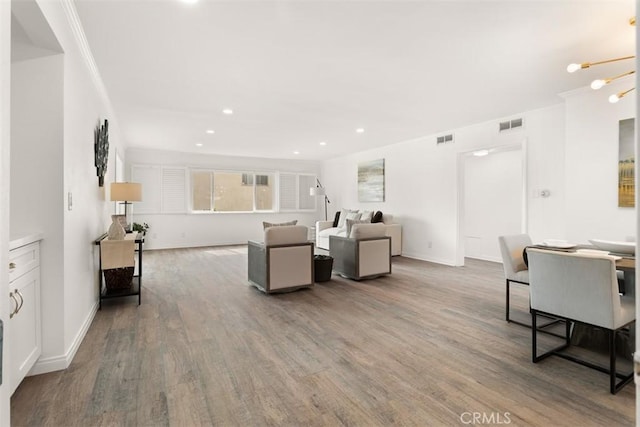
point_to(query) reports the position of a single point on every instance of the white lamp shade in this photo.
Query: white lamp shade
(126, 191)
(316, 191)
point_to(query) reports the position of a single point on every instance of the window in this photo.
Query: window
(202, 183)
(163, 188)
(247, 179)
(229, 195)
(218, 191)
(294, 192)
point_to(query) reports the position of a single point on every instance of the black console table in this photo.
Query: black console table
(136, 283)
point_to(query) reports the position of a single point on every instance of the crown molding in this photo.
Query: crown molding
(85, 52)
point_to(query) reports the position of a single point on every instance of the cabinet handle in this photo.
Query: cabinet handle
(17, 292)
(12, 265)
(15, 310)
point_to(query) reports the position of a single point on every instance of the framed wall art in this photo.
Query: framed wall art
(626, 164)
(371, 181)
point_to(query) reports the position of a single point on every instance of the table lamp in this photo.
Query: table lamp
(126, 192)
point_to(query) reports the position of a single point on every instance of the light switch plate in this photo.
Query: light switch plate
(69, 200)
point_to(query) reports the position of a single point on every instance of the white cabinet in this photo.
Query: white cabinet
(25, 331)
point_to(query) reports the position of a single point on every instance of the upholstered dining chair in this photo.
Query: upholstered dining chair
(583, 288)
(283, 262)
(515, 269)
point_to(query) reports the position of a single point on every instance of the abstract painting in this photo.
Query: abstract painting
(626, 164)
(371, 181)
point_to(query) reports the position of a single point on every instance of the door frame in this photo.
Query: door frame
(460, 211)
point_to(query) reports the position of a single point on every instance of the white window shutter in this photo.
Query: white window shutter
(150, 179)
(288, 189)
(305, 200)
(174, 192)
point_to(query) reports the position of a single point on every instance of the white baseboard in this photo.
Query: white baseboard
(423, 257)
(61, 362)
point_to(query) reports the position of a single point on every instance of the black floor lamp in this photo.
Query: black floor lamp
(319, 190)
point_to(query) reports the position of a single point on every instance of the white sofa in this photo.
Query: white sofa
(324, 229)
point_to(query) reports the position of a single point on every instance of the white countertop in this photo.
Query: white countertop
(21, 239)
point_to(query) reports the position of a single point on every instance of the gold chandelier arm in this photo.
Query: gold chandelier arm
(608, 61)
(575, 67)
(600, 83)
(616, 97)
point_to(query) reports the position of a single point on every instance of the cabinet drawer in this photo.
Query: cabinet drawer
(23, 260)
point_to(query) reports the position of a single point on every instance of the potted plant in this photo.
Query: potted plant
(140, 228)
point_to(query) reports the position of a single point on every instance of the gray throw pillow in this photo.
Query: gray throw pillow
(266, 225)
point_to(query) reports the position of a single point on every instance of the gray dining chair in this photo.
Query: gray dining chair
(577, 287)
(515, 269)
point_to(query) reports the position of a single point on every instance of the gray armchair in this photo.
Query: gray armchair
(284, 262)
(583, 288)
(365, 254)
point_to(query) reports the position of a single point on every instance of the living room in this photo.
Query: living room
(568, 147)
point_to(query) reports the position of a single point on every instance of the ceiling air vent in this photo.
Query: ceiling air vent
(444, 139)
(510, 124)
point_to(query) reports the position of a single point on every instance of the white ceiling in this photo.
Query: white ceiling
(300, 72)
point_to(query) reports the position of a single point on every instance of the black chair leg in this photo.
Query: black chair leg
(614, 385)
(507, 310)
(534, 340)
(612, 361)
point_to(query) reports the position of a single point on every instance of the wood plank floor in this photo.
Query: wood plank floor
(422, 347)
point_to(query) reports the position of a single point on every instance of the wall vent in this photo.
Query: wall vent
(443, 139)
(510, 124)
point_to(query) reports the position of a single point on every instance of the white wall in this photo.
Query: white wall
(592, 165)
(545, 130)
(70, 299)
(5, 140)
(422, 181)
(210, 229)
(572, 151)
(36, 179)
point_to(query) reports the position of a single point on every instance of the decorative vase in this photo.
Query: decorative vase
(116, 231)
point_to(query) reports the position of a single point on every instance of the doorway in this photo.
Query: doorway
(491, 200)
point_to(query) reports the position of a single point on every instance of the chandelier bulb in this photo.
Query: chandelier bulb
(598, 84)
(614, 98)
(572, 68)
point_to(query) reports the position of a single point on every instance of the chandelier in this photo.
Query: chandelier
(600, 83)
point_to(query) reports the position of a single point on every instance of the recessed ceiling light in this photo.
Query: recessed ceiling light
(323, 143)
(296, 152)
(360, 130)
(211, 131)
(199, 144)
(189, 1)
(228, 111)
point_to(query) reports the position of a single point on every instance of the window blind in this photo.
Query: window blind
(288, 191)
(174, 183)
(150, 179)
